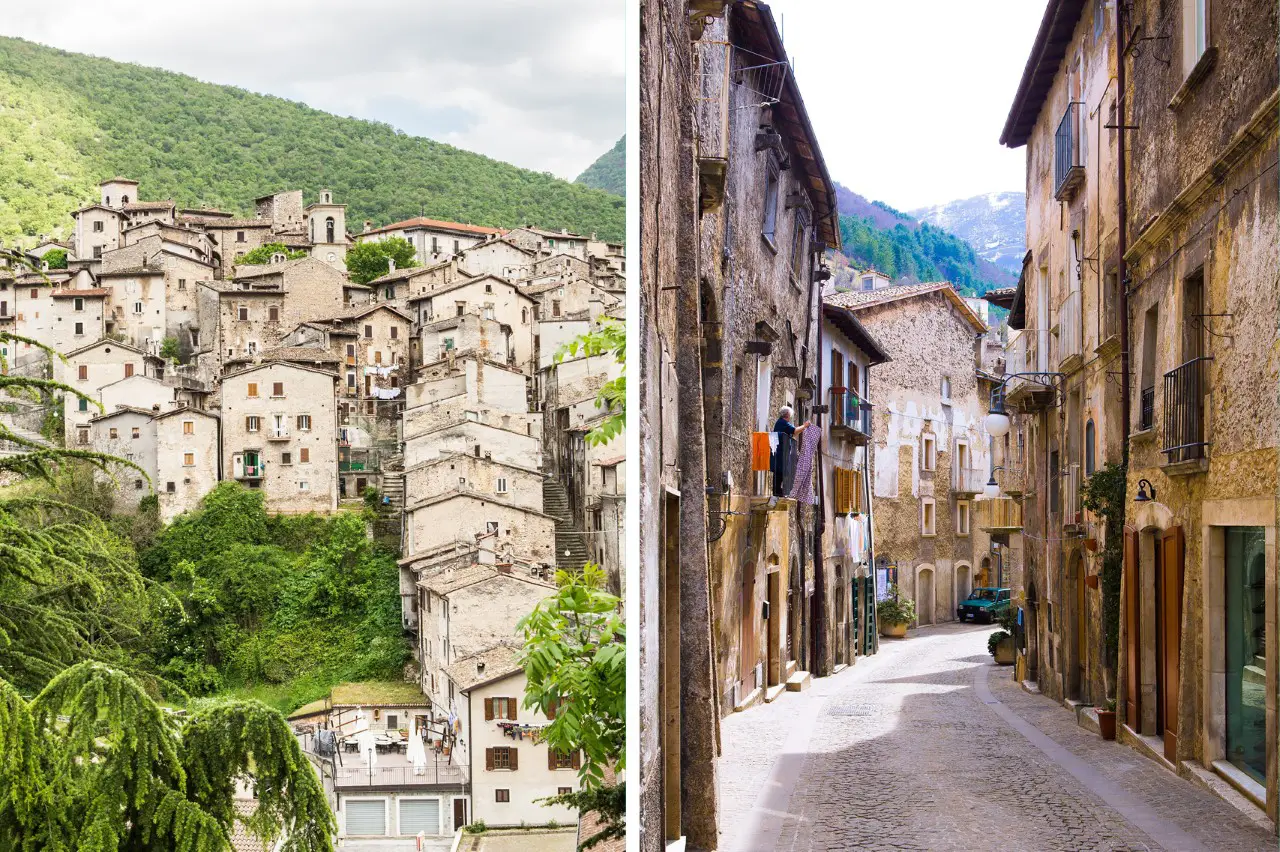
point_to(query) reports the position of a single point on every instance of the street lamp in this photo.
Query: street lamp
(992, 489)
(1142, 497)
(997, 421)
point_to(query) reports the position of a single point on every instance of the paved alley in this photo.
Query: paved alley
(928, 745)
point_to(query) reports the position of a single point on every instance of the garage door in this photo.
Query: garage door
(419, 815)
(366, 816)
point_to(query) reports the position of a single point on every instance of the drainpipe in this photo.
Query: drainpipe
(820, 624)
(1123, 214)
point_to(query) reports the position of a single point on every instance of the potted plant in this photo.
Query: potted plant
(1107, 719)
(894, 614)
(1000, 646)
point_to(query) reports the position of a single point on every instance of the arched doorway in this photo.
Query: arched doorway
(964, 581)
(1030, 632)
(984, 573)
(924, 595)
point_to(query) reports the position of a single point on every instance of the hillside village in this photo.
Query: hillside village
(434, 392)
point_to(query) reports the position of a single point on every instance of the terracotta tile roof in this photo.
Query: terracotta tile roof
(90, 293)
(300, 353)
(443, 584)
(118, 180)
(242, 839)
(861, 299)
(130, 271)
(149, 205)
(498, 661)
(422, 222)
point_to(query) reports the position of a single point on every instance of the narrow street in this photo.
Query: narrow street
(928, 745)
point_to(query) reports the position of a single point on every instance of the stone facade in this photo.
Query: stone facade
(126, 433)
(187, 463)
(89, 370)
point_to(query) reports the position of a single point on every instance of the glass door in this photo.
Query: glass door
(1246, 637)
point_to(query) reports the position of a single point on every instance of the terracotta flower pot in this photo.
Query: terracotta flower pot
(1005, 652)
(893, 631)
(1107, 722)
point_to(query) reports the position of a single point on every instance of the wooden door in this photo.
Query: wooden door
(459, 813)
(1133, 632)
(1082, 633)
(1170, 566)
(747, 639)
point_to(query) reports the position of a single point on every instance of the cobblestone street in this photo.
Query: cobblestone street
(928, 745)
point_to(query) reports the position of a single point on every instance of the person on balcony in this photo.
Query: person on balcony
(783, 456)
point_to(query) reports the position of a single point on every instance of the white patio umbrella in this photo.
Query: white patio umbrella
(417, 752)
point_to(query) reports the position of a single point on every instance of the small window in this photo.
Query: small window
(304, 455)
(171, 487)
(928, 453)
(488, 288)
(461, 307)
(35, 294)
(137, 307)
(84, 404)
(368, 332)
(182, 283)
(83, 372)
(563, 791)
(769, 225)
(188, 459)
(303, 486)
(137, 485)
(962, 518)
(188, 427)
(97, 252)
(253, 390)
(77, 303)
(239, 236)
(555, 307)
(242, 313)
(500, 795)
(1089, 441)
(82, 435)
(946, 388)
(868, 283)
(273, 314)
(928, 516)
(113, 433)
(286, 458)
(97, 227)
(277, 389)
(252, 423)
(502, 485)
(395, 333)
(135, 432)
(304, 422)
(502, 757)
(128, 370)
(79, 329)
(557, 759)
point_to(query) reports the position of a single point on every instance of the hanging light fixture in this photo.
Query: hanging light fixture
(997, 423)
(992, 489)
(1142, 497)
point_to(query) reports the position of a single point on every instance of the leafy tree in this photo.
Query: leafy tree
(610, 171)
(1103, 494)
(169, 349)
(610, 338)
(92, 763)
(574, 660)
(263, 253)
(372, 259)
(56, 258)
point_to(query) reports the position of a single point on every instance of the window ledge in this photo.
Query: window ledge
(1142, 434)
(1198, 73)
(768, 241)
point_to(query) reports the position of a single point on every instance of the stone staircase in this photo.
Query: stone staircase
(571, 548)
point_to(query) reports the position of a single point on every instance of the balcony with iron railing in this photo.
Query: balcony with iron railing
(250, 471)
(1068, 151)
(1070, 348)
(1011, 478)
(968, 480)
(1147, 411)
(850, 416)
(278, 433)
(1028, 352)
(1184, 434)
(999, 515)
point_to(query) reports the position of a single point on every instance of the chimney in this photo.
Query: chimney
(564, 232)
(391, 264)
(480, 667)
(368, 225)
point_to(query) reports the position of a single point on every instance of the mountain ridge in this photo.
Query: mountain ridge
(609, 171)
(69, 120)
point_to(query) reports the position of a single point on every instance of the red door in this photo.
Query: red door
(1170, 566)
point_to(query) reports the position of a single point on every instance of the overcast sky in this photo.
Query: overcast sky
(537, 83)
(908, 98)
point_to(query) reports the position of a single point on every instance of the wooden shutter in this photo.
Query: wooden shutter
(488, 756)
(515, 764)
(511, 706)
(577, 759)
(488, 711)
(1133, 631)
(551, 758)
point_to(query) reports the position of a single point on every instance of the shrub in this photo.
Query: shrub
(896, 609)
(995, 639)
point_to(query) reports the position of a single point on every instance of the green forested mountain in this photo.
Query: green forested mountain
(610, 171)
(923, 253)
(68, 121)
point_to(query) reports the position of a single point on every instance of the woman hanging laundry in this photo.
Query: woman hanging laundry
(802, 486)
(782, 457)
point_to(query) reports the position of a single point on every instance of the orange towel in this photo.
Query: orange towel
(760, 451)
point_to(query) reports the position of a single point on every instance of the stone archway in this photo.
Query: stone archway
(983, 580)
(963, 583)
(925, 596)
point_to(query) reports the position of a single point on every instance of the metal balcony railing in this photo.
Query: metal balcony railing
(278, 434)
(1069, 329)
(1068, 151)
(850, 414)
(1184, 437)
(1147, 417)
(968, 480)
(1027, 352)
(253, 471)
(1003, 514)
(1011, 478)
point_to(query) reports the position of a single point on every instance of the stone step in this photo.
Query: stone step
(771, 693)
(799, 682)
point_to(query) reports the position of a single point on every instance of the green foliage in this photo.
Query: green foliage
(609, 338)
(372, 499)
(93, 763)
(994, 640)
(1103, 494)
(574, 659)
(896, 609)
(71, 120)
(609, 172)
(169, 349)
(926, 253)
(476, 827)
(228, 515)
(262, 254)
(56, 258)
(372, 259)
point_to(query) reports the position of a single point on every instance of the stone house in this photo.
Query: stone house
(511, 769)
(77, 316)
(558, 300)
(433, 240)
(930, 456)
(231, 238)
(496, 298)
(138, 390)
(768, 211)
(501, 257)
(461, 515)
(521, 486)
(278, 434)
(91, 368)
(544, 243)
(327, 230)
(137, 305)
(187, 458)
(97, 230)
(679, 713)
(1065, 320)
(126, 434)
(469, 332)
(1199, 668)
(847, 352)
